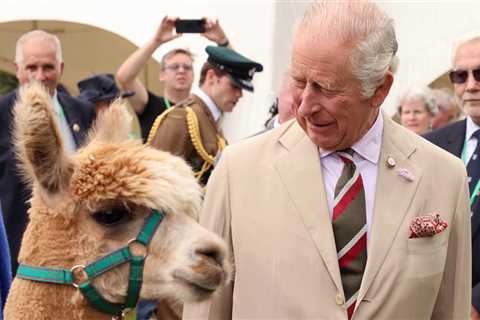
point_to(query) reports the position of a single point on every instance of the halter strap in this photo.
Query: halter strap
(100, 266)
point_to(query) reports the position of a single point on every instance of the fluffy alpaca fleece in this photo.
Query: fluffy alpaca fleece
(184, 262)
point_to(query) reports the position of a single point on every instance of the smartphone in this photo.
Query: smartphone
(190, 26)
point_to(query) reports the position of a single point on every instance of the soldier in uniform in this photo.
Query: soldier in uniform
(190, 129)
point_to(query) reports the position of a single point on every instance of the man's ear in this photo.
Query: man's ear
(382, 91)
(17, 70)
(210, 75)
(62, 66)
(161, 75)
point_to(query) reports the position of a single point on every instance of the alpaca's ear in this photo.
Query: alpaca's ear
(39, 146)
(113, 124)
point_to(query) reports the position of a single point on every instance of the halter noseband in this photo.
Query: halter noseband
(100, 266)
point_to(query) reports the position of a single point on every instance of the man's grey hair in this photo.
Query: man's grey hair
(422, 94)
(174, 52)
(366, 27)
(464, 39)
(41, 35)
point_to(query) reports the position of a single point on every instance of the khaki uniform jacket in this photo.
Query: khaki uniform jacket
(174, 135)
(267, 199)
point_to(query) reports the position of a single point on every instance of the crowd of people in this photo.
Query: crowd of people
(422, 109)
(340, 213)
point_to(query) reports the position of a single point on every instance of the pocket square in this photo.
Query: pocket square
(427, 226)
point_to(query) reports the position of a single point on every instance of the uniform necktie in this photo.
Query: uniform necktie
(350, 229)
(473, 166)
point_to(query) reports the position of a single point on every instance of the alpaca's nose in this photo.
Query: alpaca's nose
(211, 252)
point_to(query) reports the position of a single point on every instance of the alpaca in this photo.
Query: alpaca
(87, 205)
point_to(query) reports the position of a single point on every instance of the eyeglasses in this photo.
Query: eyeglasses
(176, 66)
(461, 76)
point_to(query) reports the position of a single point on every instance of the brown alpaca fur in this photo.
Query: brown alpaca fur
(185, 262)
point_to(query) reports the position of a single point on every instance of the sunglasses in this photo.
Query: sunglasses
(461, 76)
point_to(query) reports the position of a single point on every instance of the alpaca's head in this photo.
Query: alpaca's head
(107, 189)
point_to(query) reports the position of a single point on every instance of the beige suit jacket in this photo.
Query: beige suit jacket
(266, 198)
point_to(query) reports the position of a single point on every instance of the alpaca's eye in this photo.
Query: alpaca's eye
(112, 217)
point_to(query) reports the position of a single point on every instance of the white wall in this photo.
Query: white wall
(248, 25)
(425, 32)
(262, 30)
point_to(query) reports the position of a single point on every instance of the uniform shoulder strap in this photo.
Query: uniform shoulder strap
(156, 124)
(194, 132)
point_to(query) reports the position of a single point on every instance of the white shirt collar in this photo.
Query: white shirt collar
(56, 103)
(368, 147)
(216, 112)
(276, 123)
(471, 128)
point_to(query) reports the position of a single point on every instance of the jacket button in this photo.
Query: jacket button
(339, 300)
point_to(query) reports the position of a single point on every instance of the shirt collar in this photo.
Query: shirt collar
(216, 112)
(56, 103)
(368, 147)
(471, 128)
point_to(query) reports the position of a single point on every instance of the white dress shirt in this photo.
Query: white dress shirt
(365, 158)
(68, 140)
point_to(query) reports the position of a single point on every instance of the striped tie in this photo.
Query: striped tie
(350, 229)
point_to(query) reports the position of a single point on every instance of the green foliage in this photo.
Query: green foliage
(8, 82)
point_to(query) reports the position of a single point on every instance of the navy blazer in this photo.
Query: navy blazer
(452, 138)
(5, 265)
(14, 193)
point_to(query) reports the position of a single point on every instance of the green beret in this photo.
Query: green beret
(240, 68)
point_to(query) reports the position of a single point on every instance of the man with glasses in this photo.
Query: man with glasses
(176, 72)
(462, 138)
(191, 130)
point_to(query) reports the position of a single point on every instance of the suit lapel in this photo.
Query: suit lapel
(300, 171)
(456, 138)
(455, 144)
(389, 208)
(72, 115)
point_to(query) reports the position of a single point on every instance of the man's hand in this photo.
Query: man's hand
(214, 32)
(166, 30)
(474, 315)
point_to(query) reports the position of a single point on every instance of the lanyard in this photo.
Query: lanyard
(167, 103)
(476, 190)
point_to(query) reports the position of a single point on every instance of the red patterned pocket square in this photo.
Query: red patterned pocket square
(427, 226)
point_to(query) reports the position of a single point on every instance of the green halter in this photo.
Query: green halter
(100, 266)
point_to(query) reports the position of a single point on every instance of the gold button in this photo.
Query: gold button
(76, 127)
(339, 300)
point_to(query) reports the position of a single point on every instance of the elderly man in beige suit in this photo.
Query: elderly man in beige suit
(341, 214)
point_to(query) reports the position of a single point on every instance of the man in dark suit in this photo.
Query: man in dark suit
(462, 139)
(38, 57)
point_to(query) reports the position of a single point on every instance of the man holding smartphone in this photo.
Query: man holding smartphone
(191, 129)
(176, 69)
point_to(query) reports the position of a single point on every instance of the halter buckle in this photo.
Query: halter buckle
(79, 275)
(137, 248)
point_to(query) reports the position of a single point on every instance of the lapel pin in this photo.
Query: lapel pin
(391, 162)
(404, 173)
(76, 127)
